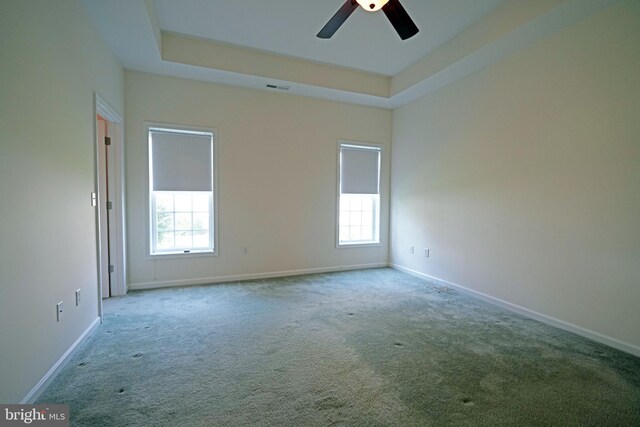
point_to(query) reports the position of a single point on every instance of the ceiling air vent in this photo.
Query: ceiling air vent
(272, 86)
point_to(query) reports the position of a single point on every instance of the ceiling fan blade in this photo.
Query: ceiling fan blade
(338, 19)
(400, 19)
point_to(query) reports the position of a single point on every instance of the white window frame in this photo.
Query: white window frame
(196, 130)
(376, 220)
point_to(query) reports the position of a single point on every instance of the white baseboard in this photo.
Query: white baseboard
(57, 367)
(595, 336)
(253, 276)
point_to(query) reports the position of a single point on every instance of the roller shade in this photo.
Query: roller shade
(359, 170)
(181, 162)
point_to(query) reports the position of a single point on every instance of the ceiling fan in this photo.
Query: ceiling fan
(396, 14)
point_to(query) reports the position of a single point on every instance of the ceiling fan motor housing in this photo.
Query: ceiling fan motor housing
(372, 5)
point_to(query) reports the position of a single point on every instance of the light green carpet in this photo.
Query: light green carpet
(375, 348)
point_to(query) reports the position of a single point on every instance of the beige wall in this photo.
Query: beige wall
(277, 158)
(51, 63)
(524, 179)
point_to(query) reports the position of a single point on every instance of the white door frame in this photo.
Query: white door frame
(118, 259)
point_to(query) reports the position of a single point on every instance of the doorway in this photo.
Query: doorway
(110, 201)
(105, 129)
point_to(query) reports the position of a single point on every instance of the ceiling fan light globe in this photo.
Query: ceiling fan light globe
(372, 5)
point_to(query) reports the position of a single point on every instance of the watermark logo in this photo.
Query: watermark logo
(34, 415)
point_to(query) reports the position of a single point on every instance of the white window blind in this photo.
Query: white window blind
(359, 170)
(181, 161)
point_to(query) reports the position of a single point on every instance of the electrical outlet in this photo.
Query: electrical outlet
(59, 307)
(77, 297)
(426, 252)
(412, 250)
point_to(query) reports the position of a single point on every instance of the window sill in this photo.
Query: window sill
(176, 255)
(358, 245)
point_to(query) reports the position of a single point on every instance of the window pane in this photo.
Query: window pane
(367, 233)
(201, 202)
(357, 218)
(345, 203)
(356, 202)
(183, 202)
(355, 234)
(177, 231)
(183, 221)
(183, 239)
(200, 221)
(344, 217)
(165, 240)
(367, 204)
(164, 202)
(201, 239)
(344, 233)
(164, 222)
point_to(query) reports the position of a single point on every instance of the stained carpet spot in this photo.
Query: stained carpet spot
(137, 355)
(398, 344)
(467, 401)
(121, 391)
(329, 403)
(82, 364)
(349, 314)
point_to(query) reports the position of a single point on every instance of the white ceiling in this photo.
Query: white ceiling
(274, 37)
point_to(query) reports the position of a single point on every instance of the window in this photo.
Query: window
(359, 195)
(181, 190)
